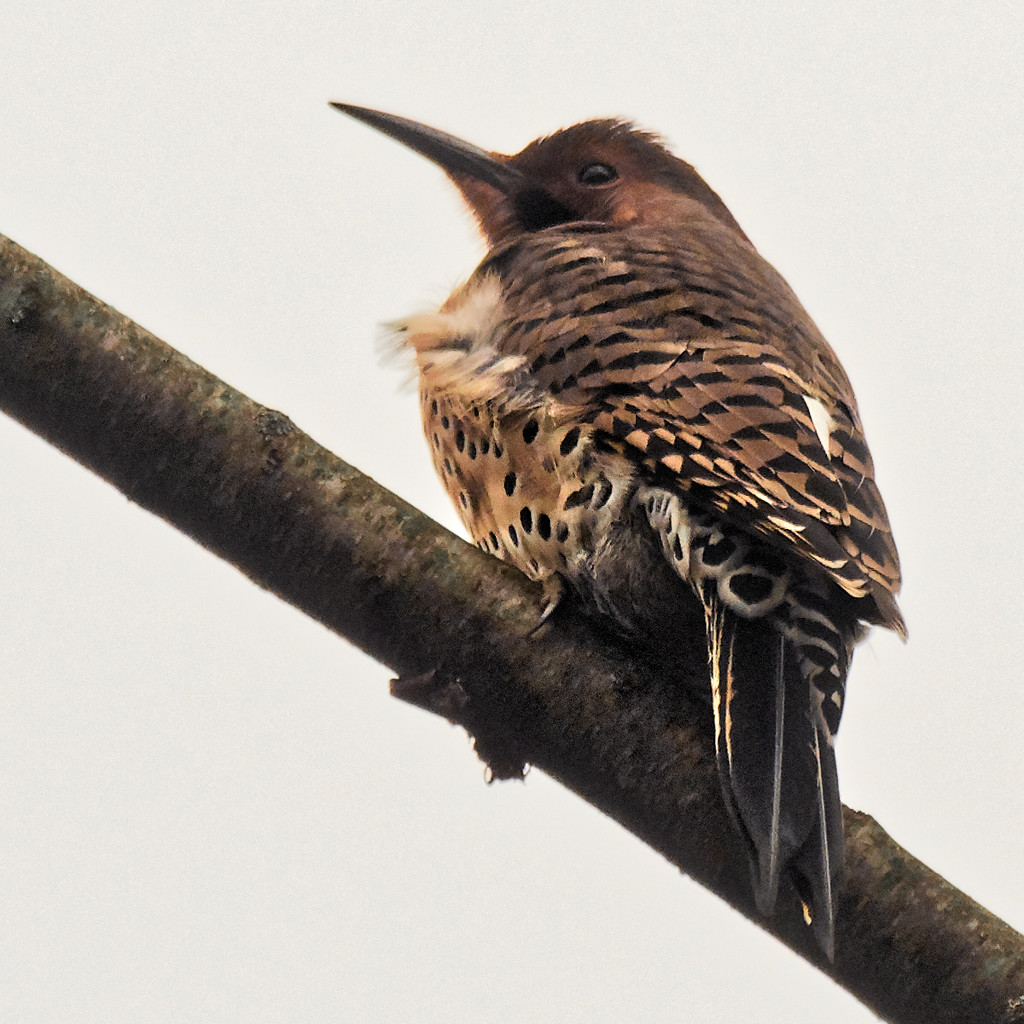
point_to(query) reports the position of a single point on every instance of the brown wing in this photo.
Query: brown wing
(690, 354)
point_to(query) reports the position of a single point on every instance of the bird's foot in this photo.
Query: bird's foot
(552, 593)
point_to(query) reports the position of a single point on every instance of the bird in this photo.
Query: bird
(628, 403)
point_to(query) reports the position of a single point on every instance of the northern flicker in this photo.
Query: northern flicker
(626, 399)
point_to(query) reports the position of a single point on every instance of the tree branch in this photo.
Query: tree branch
(457, 625)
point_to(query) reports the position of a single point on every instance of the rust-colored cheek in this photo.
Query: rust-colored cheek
(626, 212)
(491, 207)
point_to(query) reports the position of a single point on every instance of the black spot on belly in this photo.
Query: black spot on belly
(543, 526)
(513, 535)
(604, 492)
(526, 518)
(510, 483)
(569, 442)
(579, 497)
(530, 431)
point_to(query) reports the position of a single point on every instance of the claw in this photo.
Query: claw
(552, 592)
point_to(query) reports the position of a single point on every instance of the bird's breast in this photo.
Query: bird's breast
(520, 467)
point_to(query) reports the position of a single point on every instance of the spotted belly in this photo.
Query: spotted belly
(529, 488)
(532, 489)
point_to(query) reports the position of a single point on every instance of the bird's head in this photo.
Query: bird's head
(605, 171)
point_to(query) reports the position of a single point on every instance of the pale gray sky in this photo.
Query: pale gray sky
(210, 810)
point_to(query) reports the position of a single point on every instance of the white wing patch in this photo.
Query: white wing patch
(822, 421)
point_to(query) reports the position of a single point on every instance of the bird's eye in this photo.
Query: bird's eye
(597, 174)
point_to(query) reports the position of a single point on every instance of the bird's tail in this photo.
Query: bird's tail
(774, 731)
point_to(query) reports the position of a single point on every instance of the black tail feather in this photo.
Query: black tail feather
(775, 762)
(818, 866)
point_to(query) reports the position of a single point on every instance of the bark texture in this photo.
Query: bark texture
(457, 627)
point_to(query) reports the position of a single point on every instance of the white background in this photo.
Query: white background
(210, 810)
